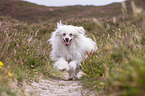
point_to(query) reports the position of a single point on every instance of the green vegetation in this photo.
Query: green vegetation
(116, 69)
(24, 52)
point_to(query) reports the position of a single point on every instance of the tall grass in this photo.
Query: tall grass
(124, 9)
(137, 11)
(24, 52)
(118, 66)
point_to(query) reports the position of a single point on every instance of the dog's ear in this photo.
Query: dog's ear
(59, 24)
(81, 30)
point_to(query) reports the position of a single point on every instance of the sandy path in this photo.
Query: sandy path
(57, 87)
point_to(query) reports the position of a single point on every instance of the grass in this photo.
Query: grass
(119, 63)
(24, 52)
(116, 69)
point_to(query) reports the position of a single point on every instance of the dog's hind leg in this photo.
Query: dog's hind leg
(77, 71)
(73, 70)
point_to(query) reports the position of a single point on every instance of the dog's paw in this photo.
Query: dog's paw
(72, 78)
(62, 69)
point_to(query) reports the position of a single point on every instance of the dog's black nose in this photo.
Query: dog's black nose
(67, 39)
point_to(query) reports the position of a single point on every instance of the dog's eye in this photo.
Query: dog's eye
(70, 34)
(64, 34)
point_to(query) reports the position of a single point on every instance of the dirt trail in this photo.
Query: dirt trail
(53, 87)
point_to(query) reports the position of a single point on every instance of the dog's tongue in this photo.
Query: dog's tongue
(66, 42)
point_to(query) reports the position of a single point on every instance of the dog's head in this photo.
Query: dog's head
(68, 33)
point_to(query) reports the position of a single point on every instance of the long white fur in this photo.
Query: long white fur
(69, 58)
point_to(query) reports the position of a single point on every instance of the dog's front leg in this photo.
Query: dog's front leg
(61, 65)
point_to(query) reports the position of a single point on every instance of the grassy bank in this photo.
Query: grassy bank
(24, 54)
(118, 67)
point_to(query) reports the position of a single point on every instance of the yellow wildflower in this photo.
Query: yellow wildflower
(1, 64)
(9, 74)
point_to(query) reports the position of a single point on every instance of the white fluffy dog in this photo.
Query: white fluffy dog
(69, 47)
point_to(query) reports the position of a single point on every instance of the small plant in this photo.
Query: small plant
(5, 77)
(137, 12)
(124, 9)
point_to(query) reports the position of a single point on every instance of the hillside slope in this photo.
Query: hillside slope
(29, 12)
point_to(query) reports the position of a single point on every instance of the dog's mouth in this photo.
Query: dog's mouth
(67, 41)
